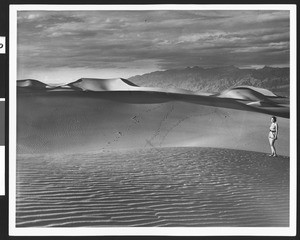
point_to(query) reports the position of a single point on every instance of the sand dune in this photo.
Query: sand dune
(244, 93)
(167, 187)
(120, 84)
(263, 91)
(31, 84)
(93, 84)
(114, 84)
(109, 153)
(77, 120)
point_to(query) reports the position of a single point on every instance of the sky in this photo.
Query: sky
(63, 46)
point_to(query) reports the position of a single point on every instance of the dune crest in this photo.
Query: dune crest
(95, 84)
(31, 83)
(99, 85)
(98, 114)
(246, 98)
(117, 84)
(263, 91)
(247, 93)
(121, 84)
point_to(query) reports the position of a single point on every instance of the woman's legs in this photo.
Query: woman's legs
(274, 155)
(273, 150)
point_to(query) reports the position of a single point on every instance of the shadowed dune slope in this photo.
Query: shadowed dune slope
(31, 84)
(50, 122)
(102, 114)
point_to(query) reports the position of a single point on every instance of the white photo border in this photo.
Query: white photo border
(150, 231)
(2, 162)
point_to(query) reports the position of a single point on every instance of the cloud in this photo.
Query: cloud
(166, 39)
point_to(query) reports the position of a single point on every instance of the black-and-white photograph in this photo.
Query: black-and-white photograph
(166, 119)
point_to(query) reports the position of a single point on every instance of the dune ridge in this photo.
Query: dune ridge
(94, 84)
(121, 84)
(105, 152)
(253, 98)
(93, 114)
(244, 93)
(31, 84)
(113, 84)
(263, 91)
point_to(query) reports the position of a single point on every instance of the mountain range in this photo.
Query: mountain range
(217, 79)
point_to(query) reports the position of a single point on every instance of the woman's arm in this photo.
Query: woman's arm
(276, 130)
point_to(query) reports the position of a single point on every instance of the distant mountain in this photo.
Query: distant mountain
(217, 79)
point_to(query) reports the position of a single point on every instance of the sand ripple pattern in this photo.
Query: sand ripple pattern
(168, 187)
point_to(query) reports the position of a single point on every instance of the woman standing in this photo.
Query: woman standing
(273, 136)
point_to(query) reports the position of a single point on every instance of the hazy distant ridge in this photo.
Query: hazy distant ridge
(217, 79)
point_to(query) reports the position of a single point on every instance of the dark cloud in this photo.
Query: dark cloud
(168, 39)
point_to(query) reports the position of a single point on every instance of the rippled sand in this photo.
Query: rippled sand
(180, 187)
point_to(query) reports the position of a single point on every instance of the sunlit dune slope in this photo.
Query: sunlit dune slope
(246, 93)
(94, 84)
(100, 115)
